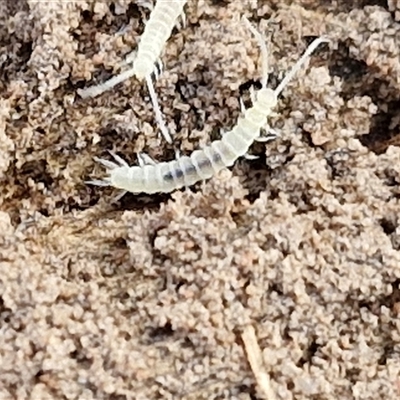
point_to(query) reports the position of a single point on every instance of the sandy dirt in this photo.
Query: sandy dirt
(276, 279)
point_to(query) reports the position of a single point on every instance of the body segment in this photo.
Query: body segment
(156, 33)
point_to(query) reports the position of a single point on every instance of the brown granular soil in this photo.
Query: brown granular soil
(276, 279)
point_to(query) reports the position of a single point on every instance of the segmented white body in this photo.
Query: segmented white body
(203, 164)
(156, 33)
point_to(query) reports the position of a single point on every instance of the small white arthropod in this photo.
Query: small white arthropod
(156, 33)
(150, 177)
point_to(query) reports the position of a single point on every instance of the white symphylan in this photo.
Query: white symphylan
(156, 33)
(151, 177)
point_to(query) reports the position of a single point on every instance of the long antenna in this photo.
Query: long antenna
(264, 52)
(97, 90)
(264, 58)
(299, 64)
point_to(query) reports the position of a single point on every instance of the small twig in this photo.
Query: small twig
(254, 356)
